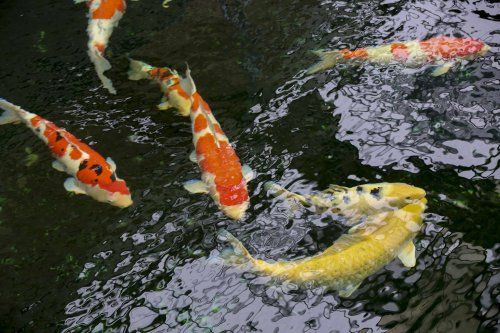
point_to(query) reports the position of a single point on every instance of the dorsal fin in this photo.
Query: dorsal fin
(187, 83)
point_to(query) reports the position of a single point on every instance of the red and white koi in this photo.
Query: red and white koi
(222, 175)
(221, 172)
(104, 16)
(91, 173)
(443, 52)
(173, 86)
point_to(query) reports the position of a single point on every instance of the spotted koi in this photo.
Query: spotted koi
(173, 86)
(104, 16)
(443, 52)
(91, 173)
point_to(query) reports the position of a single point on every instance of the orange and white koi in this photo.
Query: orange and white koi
(104, 16)
(91, 173)
(222, 175)
(442, 51)
(173, 86)
(221, 171)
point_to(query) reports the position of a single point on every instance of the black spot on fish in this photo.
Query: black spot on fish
(359, 189)
(346, 199)
(376, 193)
(83, 164)
(113, 177)
(97, 169)
(58, 136)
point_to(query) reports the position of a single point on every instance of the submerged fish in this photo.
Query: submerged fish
(92, 174)
(441, 51)
(353, 257)
(222, 175)
(173, 86)
(221, 172)
(104, 16)
(355, 202)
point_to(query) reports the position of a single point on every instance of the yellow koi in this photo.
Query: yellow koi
(358, 201)
(363, 251)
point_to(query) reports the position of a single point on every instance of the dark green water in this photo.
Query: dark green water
(71, 264)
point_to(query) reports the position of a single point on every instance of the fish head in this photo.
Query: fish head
(484, 49)
(233, 199)
(235, 212)
(400, 194)
(115, 193)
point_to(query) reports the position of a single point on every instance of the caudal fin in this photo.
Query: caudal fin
(101, 65)
(236, 253)
(10, 114)
(328, 59)
(138, 70)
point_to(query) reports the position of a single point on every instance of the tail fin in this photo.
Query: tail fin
(102, 65)
(10, 114)
(138, 70)
(277, 190)
(328, 59)
(236, 254)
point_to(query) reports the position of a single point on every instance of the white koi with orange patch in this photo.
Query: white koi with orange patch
(443, 52)
(104, 16)
(92, 174)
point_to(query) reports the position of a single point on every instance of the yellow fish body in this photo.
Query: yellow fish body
(353, 257)
(358, 201)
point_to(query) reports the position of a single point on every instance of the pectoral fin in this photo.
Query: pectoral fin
(407, 255)
(192, 157)
(443, 69)
(347, 291)
(196, 186)
(111, 163)
(58, 166)
(248, 173)
(71, 185)
(164, 105)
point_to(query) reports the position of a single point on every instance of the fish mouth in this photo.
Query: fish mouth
(485, 49)
(121, 200)
(236, 212)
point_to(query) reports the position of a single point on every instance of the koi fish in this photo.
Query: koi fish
(173, 86)
(354, 256)
(442, 51)
(91, 173)
(104, 16)
(222, 175)
(221, 172)
(356, 202)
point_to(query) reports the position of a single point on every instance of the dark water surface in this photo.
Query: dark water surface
(71, 264)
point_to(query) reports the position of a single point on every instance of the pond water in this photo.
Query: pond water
(71, 264)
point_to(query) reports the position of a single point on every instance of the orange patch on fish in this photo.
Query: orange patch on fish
(75, 154)
(108, 8)
(200, 123)
(356, 54)
(400, 51)
(100, 47)
(35, 121)
(449, 48)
